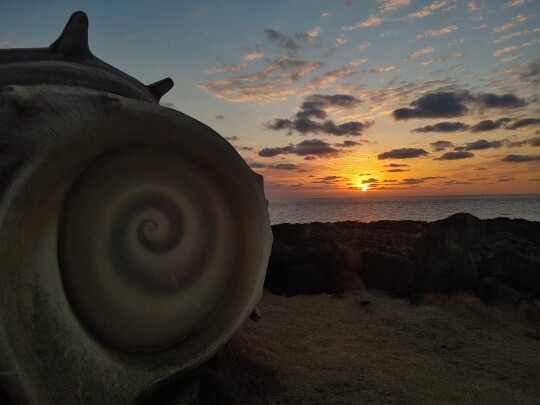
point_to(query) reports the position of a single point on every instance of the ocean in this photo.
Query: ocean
(367, 209)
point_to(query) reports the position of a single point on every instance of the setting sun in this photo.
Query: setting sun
(364, 187)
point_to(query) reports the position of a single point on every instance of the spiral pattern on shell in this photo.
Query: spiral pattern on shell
(145, 248)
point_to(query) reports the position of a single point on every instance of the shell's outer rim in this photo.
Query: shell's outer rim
(136, 362)
(72, 47)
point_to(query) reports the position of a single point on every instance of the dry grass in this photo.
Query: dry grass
(243, 372)
(375, 349)
(451, 349)
(467, 305)
(471, 306)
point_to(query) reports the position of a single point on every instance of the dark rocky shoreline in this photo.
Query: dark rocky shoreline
(499, 259)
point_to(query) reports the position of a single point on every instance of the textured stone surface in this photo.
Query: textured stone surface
(312, 259)
(517, 270)
(134, 240)
(445, 255)
(494, 292)
(387, 271)
(386, 253)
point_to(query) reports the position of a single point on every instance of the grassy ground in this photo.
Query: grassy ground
(377, 349)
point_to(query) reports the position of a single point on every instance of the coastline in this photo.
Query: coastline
(405, 256)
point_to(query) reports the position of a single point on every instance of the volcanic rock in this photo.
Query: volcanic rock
(445, 258)
(386, 271)
(518, 271)
(298, 280)
(315, 253)
(494, 292)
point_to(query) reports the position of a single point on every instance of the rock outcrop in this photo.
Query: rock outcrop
(445, 254)
(494, 292)
(407, 257)
(312, 259)
(516, 270)
(299, 280)
(387, 271)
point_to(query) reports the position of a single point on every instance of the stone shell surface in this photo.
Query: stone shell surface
(62, 340)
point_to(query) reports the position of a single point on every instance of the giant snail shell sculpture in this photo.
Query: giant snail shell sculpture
(134, 239)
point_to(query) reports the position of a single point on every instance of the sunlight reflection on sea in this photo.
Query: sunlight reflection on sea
(369, 209)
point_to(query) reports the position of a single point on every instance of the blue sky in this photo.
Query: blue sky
(323, 97)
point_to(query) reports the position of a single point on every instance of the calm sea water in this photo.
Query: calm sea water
(399, 208)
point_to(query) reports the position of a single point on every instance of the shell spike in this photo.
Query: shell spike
(159, 89)
(73, 41)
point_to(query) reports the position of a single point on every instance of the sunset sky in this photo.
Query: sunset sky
(403, 97)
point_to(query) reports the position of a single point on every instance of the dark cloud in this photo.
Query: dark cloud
(219, 117)
(370, 181)
(524, 122)
(443, 127)
(433, 177)
(453, 104)
(412, 181)
(281, 39)
(279, 166)
(346, 144)
(521, 158)
(489, 125)
(315, 107)
(347, 128)
(439, 146)
(397, 170)
(270, 152)
(232, 138)
(456, 183)
(456, 155)
(306, 125)
(334, 100)
(279, 124)
(435, 105)
(396, 165)
(490, 100)
(329, 179)
(294, 42)
(283, 166)
(481, 144)
(244, 148)
(532, 142)
(312, 112)
(312, 147)
(403, 153)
